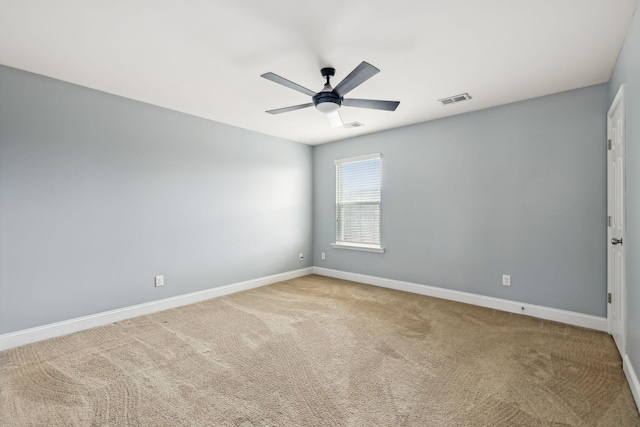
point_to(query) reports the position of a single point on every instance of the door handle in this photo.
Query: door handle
(615, 241)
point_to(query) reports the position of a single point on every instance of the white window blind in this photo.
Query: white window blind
(358, 181)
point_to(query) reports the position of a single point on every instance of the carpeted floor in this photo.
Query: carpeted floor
(317, 351)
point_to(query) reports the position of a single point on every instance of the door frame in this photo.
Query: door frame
(618, 102)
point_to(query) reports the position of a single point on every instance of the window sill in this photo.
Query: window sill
(357, 247)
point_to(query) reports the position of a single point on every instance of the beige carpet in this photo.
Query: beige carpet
(316, 351)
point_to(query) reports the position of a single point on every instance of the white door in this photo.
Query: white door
(616, 257)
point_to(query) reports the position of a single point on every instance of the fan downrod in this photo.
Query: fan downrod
(328, 72)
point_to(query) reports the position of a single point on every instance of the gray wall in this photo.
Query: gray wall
(98, 194)
(518, 189)
(627, 71)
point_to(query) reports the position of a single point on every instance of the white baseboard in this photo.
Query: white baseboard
(563, 316)
(632, 379)
(27, 336)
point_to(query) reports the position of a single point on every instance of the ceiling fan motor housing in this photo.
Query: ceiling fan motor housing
(327, 102)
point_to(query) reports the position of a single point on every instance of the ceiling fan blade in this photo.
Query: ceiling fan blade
(284, 82)
(292, 108)
(359, 75)
(371, 103)
(335, 121)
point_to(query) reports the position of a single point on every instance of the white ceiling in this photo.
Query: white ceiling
(205, 57)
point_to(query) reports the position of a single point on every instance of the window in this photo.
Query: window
(358, 182)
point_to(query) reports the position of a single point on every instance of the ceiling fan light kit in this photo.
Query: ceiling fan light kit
(326, 105)
(329, 100)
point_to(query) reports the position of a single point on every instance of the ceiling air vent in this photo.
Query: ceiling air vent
(352, 125)
(454, 99)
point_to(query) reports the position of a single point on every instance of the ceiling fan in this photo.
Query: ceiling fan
(329, 99)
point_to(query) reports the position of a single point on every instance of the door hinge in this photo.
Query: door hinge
(608, 144)
(609, 297)
(609, 220)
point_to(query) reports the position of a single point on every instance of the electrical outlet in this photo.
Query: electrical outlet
(159, 281)
(506, 280)
(300, 256)
(323, 256)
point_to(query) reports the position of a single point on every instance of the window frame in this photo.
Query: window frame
(358, 246)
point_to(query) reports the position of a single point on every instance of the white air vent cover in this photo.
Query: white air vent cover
(454, 99)
(352, 125)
